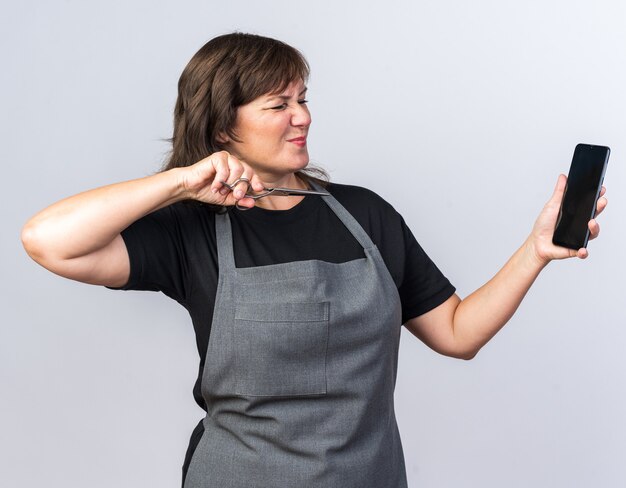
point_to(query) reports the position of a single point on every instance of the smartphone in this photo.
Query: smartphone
(578, 207)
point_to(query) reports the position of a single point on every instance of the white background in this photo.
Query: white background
(461, 114)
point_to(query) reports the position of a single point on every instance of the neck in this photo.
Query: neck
(289, 180)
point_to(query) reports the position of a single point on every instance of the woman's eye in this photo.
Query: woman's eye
(283, 106)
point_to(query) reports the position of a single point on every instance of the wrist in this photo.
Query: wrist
(532, 255)
(180, 189)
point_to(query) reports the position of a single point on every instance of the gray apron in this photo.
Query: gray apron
(300, 372)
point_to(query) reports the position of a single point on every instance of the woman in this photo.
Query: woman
(297, 303)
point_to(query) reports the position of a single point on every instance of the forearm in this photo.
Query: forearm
(483, 313)
(459, 328)
(84, 223)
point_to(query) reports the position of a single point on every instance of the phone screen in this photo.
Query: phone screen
(581, 194)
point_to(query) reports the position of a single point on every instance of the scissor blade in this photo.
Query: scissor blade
(284, 192)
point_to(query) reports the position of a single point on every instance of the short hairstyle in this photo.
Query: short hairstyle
(228, 71)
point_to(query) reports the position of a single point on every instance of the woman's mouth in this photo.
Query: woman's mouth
(298, 141)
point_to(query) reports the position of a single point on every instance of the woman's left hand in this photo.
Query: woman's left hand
(540, 239)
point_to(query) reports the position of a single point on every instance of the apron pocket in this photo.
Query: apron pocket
(280, 348)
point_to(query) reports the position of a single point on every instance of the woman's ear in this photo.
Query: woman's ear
(222, 138)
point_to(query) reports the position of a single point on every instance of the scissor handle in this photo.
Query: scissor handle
(231, 187)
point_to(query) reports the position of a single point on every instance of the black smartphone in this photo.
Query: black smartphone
(578, 207)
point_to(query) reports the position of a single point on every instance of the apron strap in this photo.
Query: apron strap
(224, 238)
(346, 218)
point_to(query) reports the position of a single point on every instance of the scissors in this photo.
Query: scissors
(278, 191)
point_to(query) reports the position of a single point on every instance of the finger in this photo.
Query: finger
(247, 180)
(559, 189)
(246, 202)
(601, 205)
(242, 184)
(602, 190)
(222, 171)
(582, 253)
(239, 187)
(232, 173)
(235, 173)
(594, 229)
(236, 168)
(256, 183)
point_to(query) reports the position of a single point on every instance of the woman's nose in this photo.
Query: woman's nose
(301, 116)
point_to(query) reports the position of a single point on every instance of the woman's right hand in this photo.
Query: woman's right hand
(202, 181)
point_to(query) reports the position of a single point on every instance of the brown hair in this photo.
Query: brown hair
(229, 71)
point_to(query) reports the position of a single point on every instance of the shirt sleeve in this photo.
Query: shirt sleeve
(158, 259)
(424, 286)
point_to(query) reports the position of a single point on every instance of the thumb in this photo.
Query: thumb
(559, 189)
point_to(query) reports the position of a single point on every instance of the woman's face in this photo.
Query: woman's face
(273, 131)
